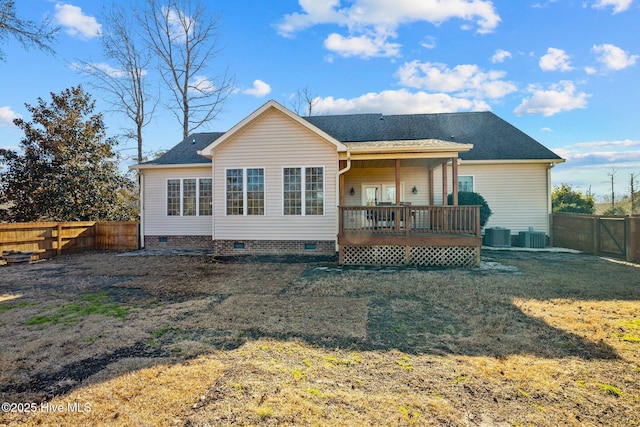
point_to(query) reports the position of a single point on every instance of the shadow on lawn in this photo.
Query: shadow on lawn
(439, 312)
(461, 313)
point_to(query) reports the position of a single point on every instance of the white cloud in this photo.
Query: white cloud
(555, 60)
(99, 68)
(201, 84)
(601, 153)
(612, 57)
(259, 89)
(314, 12)
(371, 23)
(361, 46)
(559, 97)
(618, 5)
(500, 55)
(399, 102)
(602, 158)
(76, 23)
(464, 80)
(6, 116)
(180, 24)
(609, 144)
(429, 42)
(389, 15)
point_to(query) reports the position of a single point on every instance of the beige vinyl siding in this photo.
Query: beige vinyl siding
(516, 193)
(409, 176)
(274, 141)
(156, 221)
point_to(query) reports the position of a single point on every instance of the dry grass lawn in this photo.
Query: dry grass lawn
(100, 339)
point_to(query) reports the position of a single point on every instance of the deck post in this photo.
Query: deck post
(431, 187)
(454, 180)
(341, 183)
(444, 184)
(398, 198)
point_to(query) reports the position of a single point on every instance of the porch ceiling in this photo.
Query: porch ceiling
(390, 163)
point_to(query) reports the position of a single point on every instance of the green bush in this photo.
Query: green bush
(566, 199)
(469, 198)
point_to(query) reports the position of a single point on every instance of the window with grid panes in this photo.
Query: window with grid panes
(314, 191)
(303, 191)
(189, 197)
(255, 191)
(235, 192)
(206, 197)
(292, 191)
(173, 197)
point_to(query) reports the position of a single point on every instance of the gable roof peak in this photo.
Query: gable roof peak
(268, 106)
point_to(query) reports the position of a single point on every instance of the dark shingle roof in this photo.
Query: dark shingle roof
(186, 152)
(492, 137)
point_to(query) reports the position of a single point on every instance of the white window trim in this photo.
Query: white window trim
(304, 190)
(473, 183)
(245, 199)
(182, 215)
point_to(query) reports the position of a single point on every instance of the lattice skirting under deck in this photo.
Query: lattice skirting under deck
(448, 256)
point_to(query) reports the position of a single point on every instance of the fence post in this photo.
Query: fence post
(97, 238)
(596, 235)
(59, 239)
(629, 226)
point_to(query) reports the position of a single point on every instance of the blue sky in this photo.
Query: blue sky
(565, 72)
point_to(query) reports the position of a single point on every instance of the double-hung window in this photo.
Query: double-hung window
(189, 197)
(245, 191)
(465, 183)
(303, 190)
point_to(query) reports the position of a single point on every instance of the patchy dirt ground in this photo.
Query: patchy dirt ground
(533, 338)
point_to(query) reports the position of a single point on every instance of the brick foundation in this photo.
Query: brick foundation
(274, 247)
(178, 242)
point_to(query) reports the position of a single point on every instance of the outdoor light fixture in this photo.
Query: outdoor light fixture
(352, 191)
(414, 190)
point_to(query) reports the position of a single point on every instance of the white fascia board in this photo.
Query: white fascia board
(512, 162)
(170, 166)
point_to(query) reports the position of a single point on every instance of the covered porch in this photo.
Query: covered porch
(393, 207)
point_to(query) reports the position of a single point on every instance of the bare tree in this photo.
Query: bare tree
(125, 82)
(303, 101)
(184, 36)
(28, 33)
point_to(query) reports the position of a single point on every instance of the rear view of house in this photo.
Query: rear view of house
(372, 187)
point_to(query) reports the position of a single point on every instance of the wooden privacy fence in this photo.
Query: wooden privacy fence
(617, 236)
(48, 239)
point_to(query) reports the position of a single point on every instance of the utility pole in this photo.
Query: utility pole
(612, 174)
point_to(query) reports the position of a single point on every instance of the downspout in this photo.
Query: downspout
(338, 174)
(213, 202)
(549, 204)
(141, 184)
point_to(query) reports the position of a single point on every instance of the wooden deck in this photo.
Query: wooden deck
(401, 235)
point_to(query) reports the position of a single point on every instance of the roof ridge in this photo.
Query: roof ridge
(399, 115)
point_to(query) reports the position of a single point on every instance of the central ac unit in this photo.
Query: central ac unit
(497, 237)
(533, 239)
